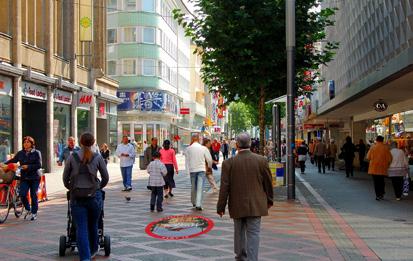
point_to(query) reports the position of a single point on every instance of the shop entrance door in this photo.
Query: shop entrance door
(102, 132)
(35, 125)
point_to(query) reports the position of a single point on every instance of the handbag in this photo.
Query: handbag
(406, 185)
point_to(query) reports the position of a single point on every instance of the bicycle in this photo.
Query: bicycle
(10, 198)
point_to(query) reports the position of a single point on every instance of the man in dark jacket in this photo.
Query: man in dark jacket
(149, 152)
(246, 184)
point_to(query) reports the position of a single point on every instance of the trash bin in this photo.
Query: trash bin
(141, 162)
(278, 173)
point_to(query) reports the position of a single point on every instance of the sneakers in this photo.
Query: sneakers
(166, 196)
(159, 209)
(171, 195)
(34, 217)
(198, 208)
(127, 189)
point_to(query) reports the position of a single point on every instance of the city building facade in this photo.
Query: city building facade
(52, 75)
(368, 83)
(150, 56)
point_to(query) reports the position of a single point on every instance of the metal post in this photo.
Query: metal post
(290, 44)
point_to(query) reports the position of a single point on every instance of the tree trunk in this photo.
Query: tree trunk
(262, 119)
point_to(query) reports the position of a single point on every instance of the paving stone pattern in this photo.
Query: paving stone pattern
(289, 233)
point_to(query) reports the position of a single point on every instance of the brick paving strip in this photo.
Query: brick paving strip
(305, 229)
(350, 245)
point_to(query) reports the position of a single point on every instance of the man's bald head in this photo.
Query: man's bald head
(243, 141)
(195, 137)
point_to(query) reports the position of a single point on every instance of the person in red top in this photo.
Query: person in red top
(216, 147)
(168, 158)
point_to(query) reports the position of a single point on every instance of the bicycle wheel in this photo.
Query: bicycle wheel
(17, 204)
(4, 203)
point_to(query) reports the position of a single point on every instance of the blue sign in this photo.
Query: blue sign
(154, 101)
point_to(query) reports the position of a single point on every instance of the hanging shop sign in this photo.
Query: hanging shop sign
(34, 91)
(102, 109)
(62, 97)
(85, 100)
(5, 85)
(85, 20)
(380, 106)
(179, 227)
(184, 111)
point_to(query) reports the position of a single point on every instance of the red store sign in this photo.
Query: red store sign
(184, 111)
(85, 99)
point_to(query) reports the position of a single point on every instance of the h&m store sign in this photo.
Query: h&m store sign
(85, 100)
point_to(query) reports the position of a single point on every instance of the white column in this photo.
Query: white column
(18, 115)
(73, 123)
(49, 131)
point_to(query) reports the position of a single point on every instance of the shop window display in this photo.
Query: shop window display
(61, 128)
(5, 127)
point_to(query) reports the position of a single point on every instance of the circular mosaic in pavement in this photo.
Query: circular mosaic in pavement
(179, 227)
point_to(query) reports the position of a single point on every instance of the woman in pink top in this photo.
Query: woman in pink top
(168, 158)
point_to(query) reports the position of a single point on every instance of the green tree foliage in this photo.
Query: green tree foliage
(242, 45)
(240, 117)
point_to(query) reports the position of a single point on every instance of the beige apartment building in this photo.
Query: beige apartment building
(52, 75)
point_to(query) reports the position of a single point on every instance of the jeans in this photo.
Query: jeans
(225, 155)
(233, 151)
(378, 181)
(331, 163)
(247, 238)
(33, 186)
(197, 186)
(127, 176)
(86, 213)
(156, 196)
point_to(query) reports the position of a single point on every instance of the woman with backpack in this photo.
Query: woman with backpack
(80, 177)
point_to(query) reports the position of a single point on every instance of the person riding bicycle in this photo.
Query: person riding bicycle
(30, 162)
(80, 177)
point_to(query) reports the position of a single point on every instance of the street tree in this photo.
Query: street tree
(242, 45)
(240, 117)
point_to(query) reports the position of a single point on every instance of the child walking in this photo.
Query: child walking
(156, 170)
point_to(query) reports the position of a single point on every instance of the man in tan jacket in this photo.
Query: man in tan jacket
(380, 158)
(246, 184)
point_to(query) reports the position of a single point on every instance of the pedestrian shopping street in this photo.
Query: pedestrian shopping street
(334, 218)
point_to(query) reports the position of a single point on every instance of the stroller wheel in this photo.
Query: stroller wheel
(62, 246)
(106, 245)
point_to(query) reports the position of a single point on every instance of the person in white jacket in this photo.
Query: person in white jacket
(398, 169)
(126, 153)
(195, 157)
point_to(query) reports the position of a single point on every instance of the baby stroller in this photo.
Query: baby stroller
(69, 241)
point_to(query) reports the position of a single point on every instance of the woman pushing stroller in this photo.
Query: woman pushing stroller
(80, 177)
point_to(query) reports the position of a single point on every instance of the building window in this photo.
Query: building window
(148, 67)
(149, 35)
(112, 5)
(112, 36)
(112, 68)
(129, 35)
(129, 5)
(5, 16)
(129, 67)
(148, 5)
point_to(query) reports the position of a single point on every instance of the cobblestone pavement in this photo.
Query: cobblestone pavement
(295, 230)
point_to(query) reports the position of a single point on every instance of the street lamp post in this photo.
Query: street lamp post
(290, 44)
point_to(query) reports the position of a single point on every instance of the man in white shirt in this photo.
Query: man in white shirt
(195, 157)
(126, 153)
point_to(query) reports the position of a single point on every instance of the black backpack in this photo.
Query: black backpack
(84, 183)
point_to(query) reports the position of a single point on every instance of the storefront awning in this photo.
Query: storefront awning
(110, 98)
(281, 99)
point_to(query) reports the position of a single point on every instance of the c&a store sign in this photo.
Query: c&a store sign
(34, 91)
